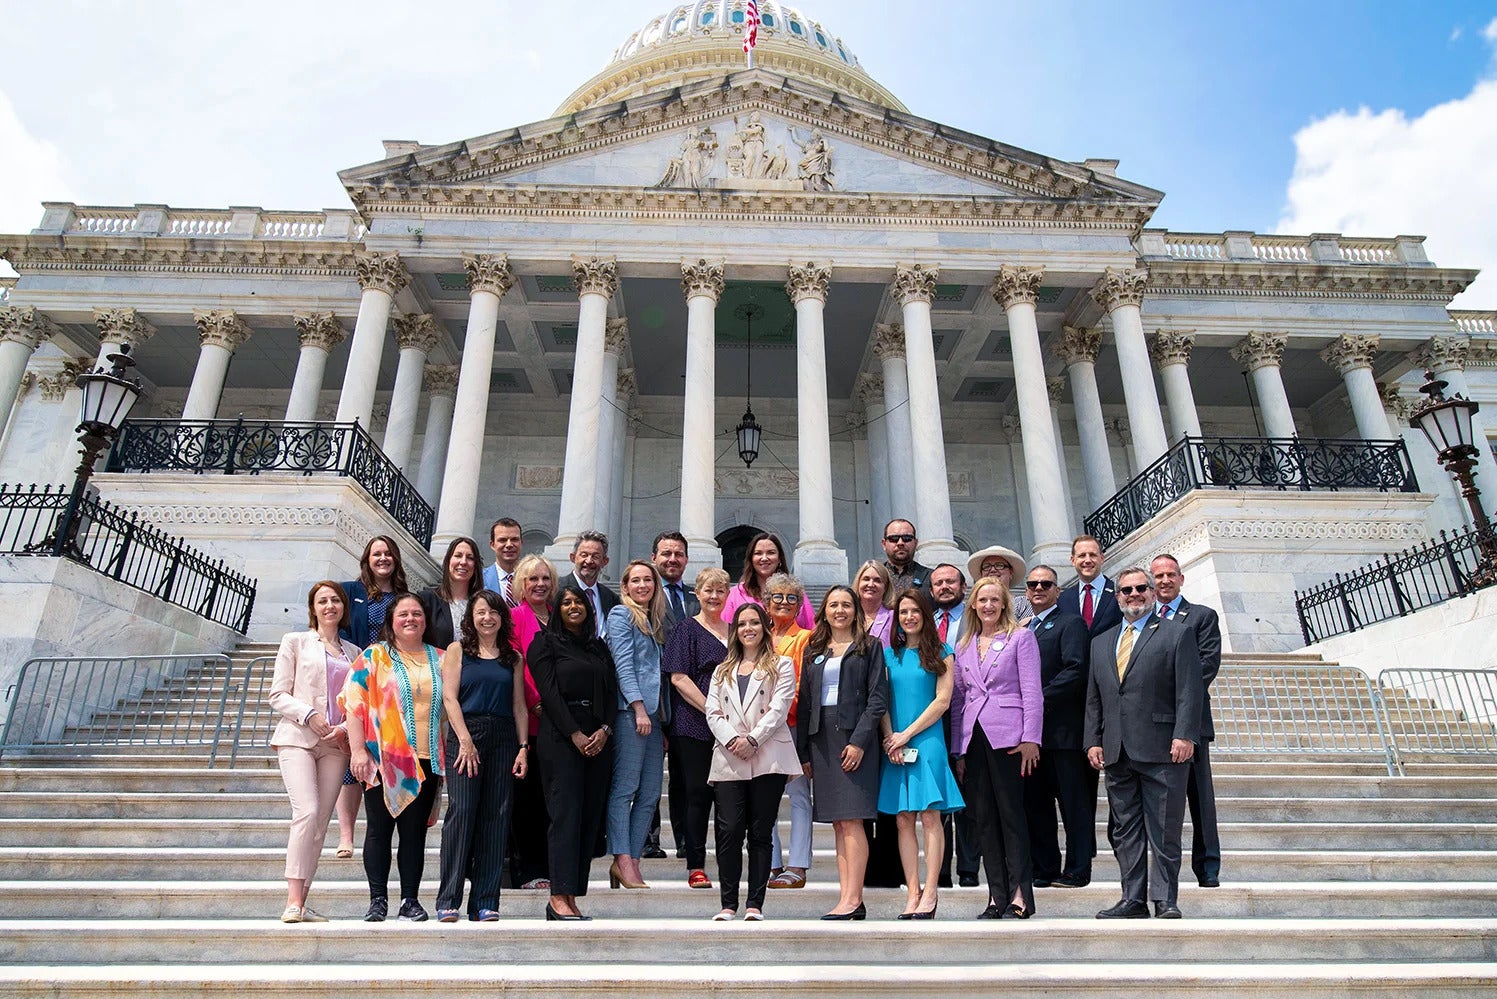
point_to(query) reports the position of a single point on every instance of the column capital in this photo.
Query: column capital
(810, 280)
(489, 272)
(888, 340)
(382, 272)
(221, 328)
(1078, 344)
(26, 324)
(1351, 351)
(1260, 350)
(616, 336)
(124, 325)
(441, 379)
(1017, 285)
(702, 278)
(856, 421)
(1444, 353)
(417, 331)
(916, 283)
(55, 387)
(319, 329)
(1395, 402)
(628, 386)
(1054, 387)
(1168, 347)
(595, 275)
(869, 387)
(1120, 286)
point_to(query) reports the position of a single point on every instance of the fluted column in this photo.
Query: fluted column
(381, 275)
(117, 327)
(441, 390)
(702, 283)
(818, 560)
(596, 280)
(1016, 288)
(319, 333)
(1351, 355)
(1261, 353)
(870, 391)
(1446, 356)
(1121, 292)
(915, 287)
(1170, 350)
(624, 391)
(888, 345)
(220, 333)
(615, 341)
(489, 277)
(416, 334)
(22, 330)
(1078, 348)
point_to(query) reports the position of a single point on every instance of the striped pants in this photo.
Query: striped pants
(477, 822)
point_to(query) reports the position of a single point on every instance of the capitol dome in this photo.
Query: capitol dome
(701, 40)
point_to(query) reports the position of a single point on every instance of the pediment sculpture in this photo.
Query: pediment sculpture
(748, 162)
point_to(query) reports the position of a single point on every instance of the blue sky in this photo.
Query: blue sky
(182, 103)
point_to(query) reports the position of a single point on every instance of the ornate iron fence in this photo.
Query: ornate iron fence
(1400, 583)
(246, 446)
(118, 544)
(1281, 463)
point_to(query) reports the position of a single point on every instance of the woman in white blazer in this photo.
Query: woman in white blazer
(748, 703)
(310, 740)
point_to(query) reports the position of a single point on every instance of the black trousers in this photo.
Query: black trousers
(995, 793)
(694, 757)
(677, 798)
(577, 798)
(380, 828)
(1200, 796)
(746, 807)
(476, 828)
(528, 822)
(1147, 801)
(1063, 778)
(968, 850)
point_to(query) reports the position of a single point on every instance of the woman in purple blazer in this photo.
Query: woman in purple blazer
(997, 708)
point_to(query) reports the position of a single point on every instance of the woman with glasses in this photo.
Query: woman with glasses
(784, 597)
(1006, 566)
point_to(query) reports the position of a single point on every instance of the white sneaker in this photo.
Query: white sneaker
(293, 914)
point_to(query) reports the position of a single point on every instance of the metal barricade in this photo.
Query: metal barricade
(256, 720)
(1299, 709)
(1440, 711)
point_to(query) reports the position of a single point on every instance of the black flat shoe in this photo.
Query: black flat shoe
(379, 908)
(1015, 912)
(991, 912)
(860, 913)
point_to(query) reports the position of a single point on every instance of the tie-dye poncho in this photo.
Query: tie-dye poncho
(378, 693)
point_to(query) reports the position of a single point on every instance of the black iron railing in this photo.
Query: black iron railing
(118, 544)
(249, 446)
(1282, 463)
(1438, 570)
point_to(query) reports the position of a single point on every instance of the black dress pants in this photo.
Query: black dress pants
(380, 828)
(476, 827)
(1064, 778)
(995, 793)
(676, 798)
(746, 807)
(528, 822)
(694, 757)
(1200, 797)
(577, 798)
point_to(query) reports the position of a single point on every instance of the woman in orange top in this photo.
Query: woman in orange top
(785, 597)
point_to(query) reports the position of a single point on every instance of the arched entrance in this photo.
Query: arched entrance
(733, 543)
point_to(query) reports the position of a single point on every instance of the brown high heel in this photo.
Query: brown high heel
(616, 878)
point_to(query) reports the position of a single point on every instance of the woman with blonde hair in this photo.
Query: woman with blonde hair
(874, 587)
(747, 705)
(636, 631)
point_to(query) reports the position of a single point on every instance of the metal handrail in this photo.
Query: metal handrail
(255, 690)
(1443, 711)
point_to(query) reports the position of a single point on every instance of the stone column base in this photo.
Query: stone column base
(820, 565)
(935, 552)
(702, 555)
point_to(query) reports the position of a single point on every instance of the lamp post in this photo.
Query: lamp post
(107, 399)
(748, 429)
(1447, 424)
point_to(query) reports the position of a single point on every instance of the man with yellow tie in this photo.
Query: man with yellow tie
(1143, 716)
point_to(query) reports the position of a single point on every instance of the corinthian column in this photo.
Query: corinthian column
(870, 391)
(1078, 348)
(118, 327)
(1446, 356)
(915, 287)
(1261, 353)
(381, 275)
(220, 332)
(818, 560)
(1351, 355)
(416, 334)
(1170, 350)
(441, 388)
(702, 283)
(624, 392)
(1016, 288)
(22, 330)
(319, 333)
(888, 345)
(615, 341)
(1121, 292)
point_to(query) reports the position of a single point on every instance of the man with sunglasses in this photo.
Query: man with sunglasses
(900, 542)
(1143, 717)
(1063, 777)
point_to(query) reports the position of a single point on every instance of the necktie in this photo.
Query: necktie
(592, 596)
(509, 593)
(1034, 624)
(945, 621)
(1164, 610)
(678, 605)
(1125, 649)
(1087, 609)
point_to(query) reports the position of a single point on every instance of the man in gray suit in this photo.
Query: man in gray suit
(1143, 716)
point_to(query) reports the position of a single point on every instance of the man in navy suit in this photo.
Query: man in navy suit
(1092, 595)
(589, 558)
(1200, 793)
(668, 554)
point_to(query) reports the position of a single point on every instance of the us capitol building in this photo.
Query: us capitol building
(564, 322)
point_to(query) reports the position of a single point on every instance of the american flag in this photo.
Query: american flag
(751, 29)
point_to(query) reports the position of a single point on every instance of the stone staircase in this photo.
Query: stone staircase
(143, 872)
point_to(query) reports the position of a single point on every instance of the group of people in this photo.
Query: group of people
(549, 706)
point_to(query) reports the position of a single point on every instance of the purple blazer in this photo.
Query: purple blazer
(1002, 692)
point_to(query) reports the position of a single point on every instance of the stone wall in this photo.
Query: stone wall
(1454, 635)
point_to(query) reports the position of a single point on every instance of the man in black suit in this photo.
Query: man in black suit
(1200, 793)
(668, 553)
(1063, 776)
(589, 557)
(1092, 595)
(1143, 717)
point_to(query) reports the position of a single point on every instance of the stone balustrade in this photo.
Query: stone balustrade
(65, 218)
(1474, 323)
(1246, 247)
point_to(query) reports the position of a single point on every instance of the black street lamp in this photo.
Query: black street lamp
(748, 429)
(1447, 424)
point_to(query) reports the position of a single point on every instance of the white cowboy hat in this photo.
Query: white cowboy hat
(1013, 558)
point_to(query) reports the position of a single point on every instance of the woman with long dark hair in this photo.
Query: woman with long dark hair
(766, 556)
(446, 602)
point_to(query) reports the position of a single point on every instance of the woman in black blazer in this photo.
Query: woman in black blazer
(445, 603)
(843, 694)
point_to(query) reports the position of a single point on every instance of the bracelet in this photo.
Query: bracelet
(524, 745)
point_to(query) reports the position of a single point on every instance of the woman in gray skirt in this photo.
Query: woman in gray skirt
(843, 694)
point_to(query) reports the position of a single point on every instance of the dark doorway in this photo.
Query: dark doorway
(734, 544)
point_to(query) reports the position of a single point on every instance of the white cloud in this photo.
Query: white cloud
(31, 171)
(1490, 31)
(1386, 174)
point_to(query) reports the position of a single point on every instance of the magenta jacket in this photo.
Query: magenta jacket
(1003, 692)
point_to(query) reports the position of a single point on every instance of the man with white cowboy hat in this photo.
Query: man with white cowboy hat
(1005, 565)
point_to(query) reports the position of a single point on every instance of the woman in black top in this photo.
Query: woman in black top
(574, 673)
(447, 602)
(486, 741)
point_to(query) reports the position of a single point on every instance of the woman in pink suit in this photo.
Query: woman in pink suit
(997, 708)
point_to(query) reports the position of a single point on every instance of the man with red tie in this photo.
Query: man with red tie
(1092, 595)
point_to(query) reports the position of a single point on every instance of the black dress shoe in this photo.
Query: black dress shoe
(967, 880)
(1166, 910)
(1071, 881)
(379, 908)
(653, 853)
(553, 915)
(1015, 911)
(1209, 882)
(993, 911)
(1125, 909)
(1042, 882)
(860, 913)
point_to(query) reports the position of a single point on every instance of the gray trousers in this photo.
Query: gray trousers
(1148, 810)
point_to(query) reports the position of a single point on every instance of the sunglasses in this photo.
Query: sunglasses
(1039, 584)
(784, 598)
(899, 538)
(1128, 591)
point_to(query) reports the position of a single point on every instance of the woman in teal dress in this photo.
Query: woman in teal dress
(920, 685)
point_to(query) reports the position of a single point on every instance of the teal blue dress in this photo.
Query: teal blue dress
(928, 782)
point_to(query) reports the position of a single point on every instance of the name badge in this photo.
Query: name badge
(819, 660)
(1049, 625)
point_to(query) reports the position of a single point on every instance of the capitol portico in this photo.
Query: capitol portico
(563, 321)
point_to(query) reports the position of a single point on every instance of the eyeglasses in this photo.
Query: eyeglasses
(1128, 591)
(895, 539)
(991, 568)
(784, 598)
(1039, 584)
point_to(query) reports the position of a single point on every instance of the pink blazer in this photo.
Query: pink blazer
(1001, 692)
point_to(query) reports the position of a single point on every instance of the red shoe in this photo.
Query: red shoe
(698, 879)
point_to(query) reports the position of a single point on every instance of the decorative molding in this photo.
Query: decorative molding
(1017, 285)
(1168, 347)
(488, 272)
(869, 388)
(628, 387)
(1055, 386)
(1078, 345)
(703, 278)
(810, 280)
(441, 379)
(538, 478)
(1010, 430)
(160, 255)
(123, 325)
(915, 283)
(319, 329)
(26, 325)
(1444, 353)
(381, 272)
(756, 482)
(417, 331)
(595, 276)
(1351, 351)
(1260, 350)
(1312, 530)
(856, 421)
(221, 328)
(888, 341)
(616, 336)
(55, 387)
(1429, 284)
(1120, 431)
(1397, 404)
(1118, 287)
